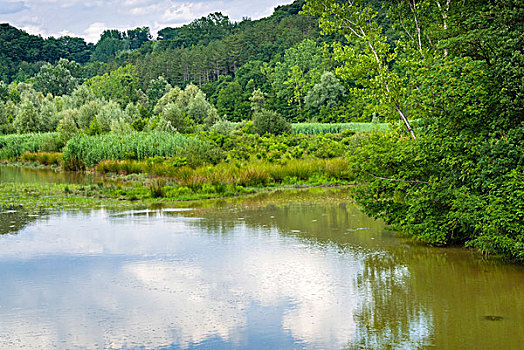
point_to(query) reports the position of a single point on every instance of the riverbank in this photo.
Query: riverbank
(50, 196)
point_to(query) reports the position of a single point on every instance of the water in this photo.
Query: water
(18, 174)
(295, 270)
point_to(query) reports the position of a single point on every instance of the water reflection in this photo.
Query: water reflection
(14, 220)
(39, 175)
(258, 275)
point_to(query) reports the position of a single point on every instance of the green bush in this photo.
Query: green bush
(270, 122)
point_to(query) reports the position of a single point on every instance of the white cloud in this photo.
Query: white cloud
(35, 30)
(183, 11)
(144, 10)
(92, 33)
(172, 278)
(74, 16)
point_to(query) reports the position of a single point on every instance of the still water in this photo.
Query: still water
(19, 174)
(295, 270)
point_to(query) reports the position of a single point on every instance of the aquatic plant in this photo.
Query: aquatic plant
(84, 150)
(336, 128)
(13, 146)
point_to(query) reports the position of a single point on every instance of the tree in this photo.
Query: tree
(458, 67)
(87, 113)
(137, 37)
(270, 122)
(56, 80)
(48, 115)
(108, 113)
(7, 112)
(173, 116)
(297, 73)
(4, 91)
(120, 85)
(157, 88)
(232, 103)
(325, 93)
(190, 102)
(67, 127)
(107, 48)
(368, 58)
(27, 119)
(257, 101)
(324, 97)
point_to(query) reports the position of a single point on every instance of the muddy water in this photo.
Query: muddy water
(296, 270)
(18, 174)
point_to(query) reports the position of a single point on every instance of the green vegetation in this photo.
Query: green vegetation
(13, 146)
(419, 103)
(457, 177)
(85, 150)
(336, 128)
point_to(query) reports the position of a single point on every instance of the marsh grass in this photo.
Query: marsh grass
(86, 151)
(255, 174)
(44, 158)
(336, 128)
(13, 146)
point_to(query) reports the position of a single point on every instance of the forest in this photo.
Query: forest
(417, 104)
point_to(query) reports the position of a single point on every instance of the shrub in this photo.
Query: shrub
(270, 122)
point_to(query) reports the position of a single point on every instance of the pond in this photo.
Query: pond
(290, 270)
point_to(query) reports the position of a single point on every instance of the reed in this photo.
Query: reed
(86, 151)
(336, 128)
(13, 146)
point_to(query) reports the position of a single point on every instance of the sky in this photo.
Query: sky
(89, 18)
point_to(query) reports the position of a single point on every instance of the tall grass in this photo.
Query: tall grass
(13, 146)
(45, 158)
(256, 173)
(84, 150)
(263, 173)
(336, 128)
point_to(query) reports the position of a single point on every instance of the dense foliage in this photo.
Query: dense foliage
(447, 75)
(459, 66)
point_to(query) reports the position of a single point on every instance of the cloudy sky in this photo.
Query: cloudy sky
(88, 18)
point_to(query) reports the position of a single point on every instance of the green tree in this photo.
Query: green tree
(56, 80)
(48, 115)
(174, 117)
(87, 114)
(271, 122)
(232, 102)
(297, 73)
(367, 56)
(190, 102)
(27, 119)
(107, 48)
(456, 67)
(157, 88)
(257, 101)
(7, 113)
(325, 93)
(67, 127)
(120, 85)
(108, 113)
